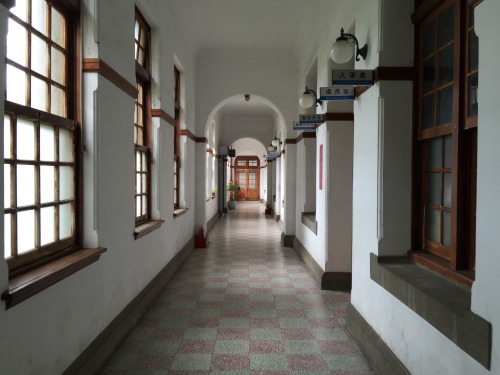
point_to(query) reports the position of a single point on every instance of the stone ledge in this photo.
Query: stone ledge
(441, 303)
(309, 220)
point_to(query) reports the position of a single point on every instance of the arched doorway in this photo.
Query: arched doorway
(247, 173)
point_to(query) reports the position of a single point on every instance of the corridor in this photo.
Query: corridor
(244, 305)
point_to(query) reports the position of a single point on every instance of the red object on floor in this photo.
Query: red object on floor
(268, 210)
(200, 241)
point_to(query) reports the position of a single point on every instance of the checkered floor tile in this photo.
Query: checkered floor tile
(244, 305)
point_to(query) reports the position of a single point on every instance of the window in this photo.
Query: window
(142, 121)
(41, 135)
(446, 135)
(177, 135)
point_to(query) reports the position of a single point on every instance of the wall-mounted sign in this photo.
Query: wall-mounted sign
(312, 119)
(352, 77)
(273, 154)
(303, 126)
(337, 93)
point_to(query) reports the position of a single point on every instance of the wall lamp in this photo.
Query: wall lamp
(271, 148)
(276, 142)
(342, 50)
(309, 98)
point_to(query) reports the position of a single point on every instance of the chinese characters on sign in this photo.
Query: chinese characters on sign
(312, 119)
(352, 77)
(303, 126)
(337, 93)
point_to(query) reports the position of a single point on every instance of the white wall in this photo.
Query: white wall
(48, 331)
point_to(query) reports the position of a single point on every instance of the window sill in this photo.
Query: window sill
(34, 281)
(444, 305)
(143, 229)
(309, 220)
(180, 211)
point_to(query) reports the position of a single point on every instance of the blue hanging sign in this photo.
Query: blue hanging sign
(352, 77)
(303, 126)
(337, 93)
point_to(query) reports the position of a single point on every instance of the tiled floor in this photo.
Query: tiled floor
(244, 305)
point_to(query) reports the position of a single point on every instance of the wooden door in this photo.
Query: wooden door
(248, 177)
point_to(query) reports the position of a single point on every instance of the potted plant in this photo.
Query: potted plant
(232, 188)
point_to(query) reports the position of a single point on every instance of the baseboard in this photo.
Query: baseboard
(101, 349)
(374, 348)
(287, 239)
(340, 281)
(212, 222)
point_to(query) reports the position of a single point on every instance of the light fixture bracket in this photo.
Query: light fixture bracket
(309, 91)
(363, 51)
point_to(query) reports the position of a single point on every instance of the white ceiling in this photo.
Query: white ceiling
(241, 24)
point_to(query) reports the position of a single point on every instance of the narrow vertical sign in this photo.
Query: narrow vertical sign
(321, 167)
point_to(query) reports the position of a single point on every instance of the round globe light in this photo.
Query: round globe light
(275, 142)
(342, 51)
(307, 100)
(271, 148)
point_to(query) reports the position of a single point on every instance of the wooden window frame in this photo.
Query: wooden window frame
(459, 266)
(42, 255)
(177, 136)
(142, 125)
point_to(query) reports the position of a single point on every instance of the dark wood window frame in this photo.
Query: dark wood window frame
(456, 259)
(177, 137)
(46, 265)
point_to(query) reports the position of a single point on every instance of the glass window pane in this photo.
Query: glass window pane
(137, 160)
(21, 9)
(434, 153)
(47, 227)
(136, 30)
(433, 225)
(434, 189)
(6, 185)
(140, 117)
(39, 52)
(25, 185)
(144, 205)
(140, 60)
(473, 50)
(6, 137)
(16, 85)
(429, 82)
(445, 26)
(65, 221)
(473, 88)
(58, 32)
(445, 111)
(7, 242)
(428, 112)
(447, 151)
(447, 190)
(144, 182)
(58, 66)
(58, 101)
(138, 206)
(47, 184)
(446, 228)
(47, 144)
(138, 189)
(65, 145)
(144, 162)
(39, 94)
(17, 43)
(429, 43)
(25, 231)
(140, 136)
(446, 65)
(39, 15)
(66, 183)
(25, 139)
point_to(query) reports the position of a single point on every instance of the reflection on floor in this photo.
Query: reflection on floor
(244, 305)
